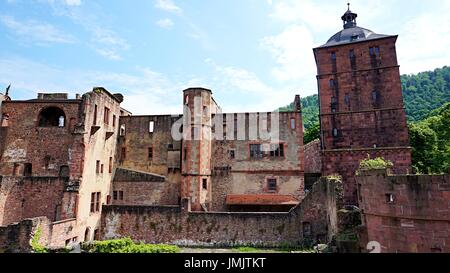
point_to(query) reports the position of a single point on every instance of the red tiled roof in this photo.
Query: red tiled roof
(262, 199)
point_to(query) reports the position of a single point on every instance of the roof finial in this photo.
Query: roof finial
(348, 4)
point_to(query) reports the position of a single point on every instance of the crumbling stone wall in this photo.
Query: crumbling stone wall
(17, 237)
(139, 188)
(314, 219)
(22, 198)
(405, 213)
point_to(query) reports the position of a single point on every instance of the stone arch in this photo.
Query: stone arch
(52, 117)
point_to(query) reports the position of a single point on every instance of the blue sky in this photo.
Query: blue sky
(254, 54)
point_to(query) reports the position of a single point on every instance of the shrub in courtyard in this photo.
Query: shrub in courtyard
(127, 246)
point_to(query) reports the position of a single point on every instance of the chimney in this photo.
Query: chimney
(297, 104)
(77, 96)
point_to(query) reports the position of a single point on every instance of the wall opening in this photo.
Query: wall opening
(64, 171)
(52, 117)
(27, 169)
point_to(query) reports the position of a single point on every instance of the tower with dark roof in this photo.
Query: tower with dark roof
(361, 102)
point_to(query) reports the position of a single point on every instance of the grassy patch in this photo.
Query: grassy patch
(127, 246)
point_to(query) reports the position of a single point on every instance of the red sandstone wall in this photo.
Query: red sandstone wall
(25, 142)
(313, 157)
(22, 198)
(172, 225)
(364, 126)
(417, 221)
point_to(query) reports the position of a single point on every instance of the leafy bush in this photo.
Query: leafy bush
(36, 247)
(127, 246)
(375, 164)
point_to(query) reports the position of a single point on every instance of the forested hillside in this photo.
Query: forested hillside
(430, 140)
(422, 94)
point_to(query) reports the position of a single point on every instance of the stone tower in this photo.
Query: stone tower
(196, 154)
(361, 103)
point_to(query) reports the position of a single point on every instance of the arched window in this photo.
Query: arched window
(52, 117)
(87, 235)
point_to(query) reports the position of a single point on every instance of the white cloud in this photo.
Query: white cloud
(421, 48)
(36, 32)
(145, 91)
(73, 2)
(168, 5)
(165, 23)
(292, 50)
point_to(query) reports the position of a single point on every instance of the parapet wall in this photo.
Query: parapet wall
(405, 213)
(314, 220)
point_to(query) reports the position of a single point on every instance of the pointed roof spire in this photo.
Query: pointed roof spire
(349, 18)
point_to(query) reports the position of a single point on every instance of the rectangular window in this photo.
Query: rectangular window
(332, 83)
(115, 195)
(374, 51)
(121, 195)
(333, 56)
(122, 130)
(93, 196)
(277, 150)
(347, 99)
(97, 167)
(272, 184)
(335, 132)
(151, 127)
(110, 164)
(114, 120)
(293, 125)
(352, 54)
(97, 202)
(101, 168)
(106, 116)
(256, 151)
(123, 153)
(95, 115)
(232, 154)
(205, 183)
(150, 153)
(185, 154)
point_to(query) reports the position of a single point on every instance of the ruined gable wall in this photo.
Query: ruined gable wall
(245, 175)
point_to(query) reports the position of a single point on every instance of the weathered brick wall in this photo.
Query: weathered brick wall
(176, 226)
(22, 198)
(418, 219)
(313, 157)
(24, 139)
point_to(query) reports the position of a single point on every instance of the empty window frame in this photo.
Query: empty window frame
(277, 150)
(272, 184)
(95, 202)
(293, 123)
(106, 116)
(151, 127)
(374, 51)
(205, 183)
(150, 153)
(256, 151)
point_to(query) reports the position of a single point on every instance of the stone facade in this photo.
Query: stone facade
(56, 160)
(361, 104)
(405, 213)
